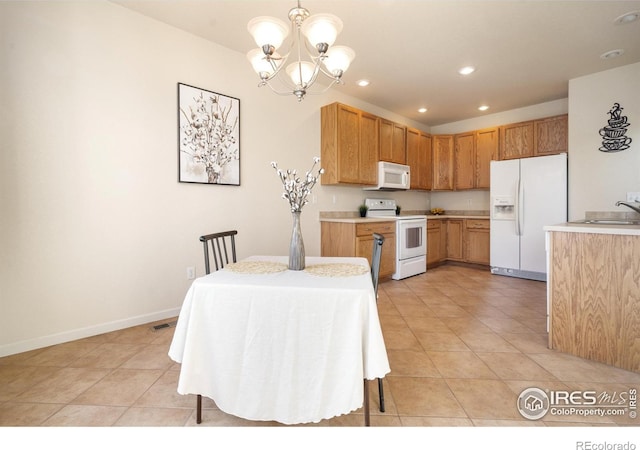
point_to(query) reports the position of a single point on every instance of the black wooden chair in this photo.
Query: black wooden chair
(378, 240)
(219, 248)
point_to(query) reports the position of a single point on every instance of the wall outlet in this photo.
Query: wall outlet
(633, 196)
(191, 273)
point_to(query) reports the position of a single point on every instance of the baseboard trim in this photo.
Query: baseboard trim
(81, 333)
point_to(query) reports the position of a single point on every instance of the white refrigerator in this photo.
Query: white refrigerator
(525, 195)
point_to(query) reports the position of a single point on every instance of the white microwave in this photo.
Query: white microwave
(392, 177)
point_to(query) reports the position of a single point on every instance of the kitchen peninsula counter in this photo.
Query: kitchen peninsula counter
(573, 227)
(594, 292)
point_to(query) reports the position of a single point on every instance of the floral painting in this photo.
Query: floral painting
(208, 137)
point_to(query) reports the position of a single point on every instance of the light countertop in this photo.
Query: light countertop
(357, 219)
(568, 227)
(457, 216)
(352, 217)
(391, 219)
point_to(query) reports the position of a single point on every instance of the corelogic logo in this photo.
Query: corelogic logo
(533, 403)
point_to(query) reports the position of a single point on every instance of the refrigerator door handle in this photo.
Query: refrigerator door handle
(518, 204)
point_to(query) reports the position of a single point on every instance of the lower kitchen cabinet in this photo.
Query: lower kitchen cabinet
(463, 240)
(454, 239)
(436, 242)
(476, 243)
(434, 235)
(448, 239)
(356, 239)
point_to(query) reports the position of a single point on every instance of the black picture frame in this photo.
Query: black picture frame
(208, 137)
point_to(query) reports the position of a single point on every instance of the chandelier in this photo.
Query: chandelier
(311, 56)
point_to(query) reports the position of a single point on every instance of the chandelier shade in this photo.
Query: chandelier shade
(322, 29)
(300, 72)
(262, 67)
(268, 31)
(305, 59)
(339, 59)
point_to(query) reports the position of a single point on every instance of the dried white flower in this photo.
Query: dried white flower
(295, 189)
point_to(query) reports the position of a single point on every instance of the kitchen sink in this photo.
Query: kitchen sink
(609, 221)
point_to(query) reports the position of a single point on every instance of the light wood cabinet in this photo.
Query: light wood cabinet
(454, 239)
(393, 142)
(473, 154)
(462, 240)
(540, 137)
(551, 135)
(356, 239)
(436, 241)
(353, 141)
(349, 145)
(369, 146)
(419, 159)
(487, 148)
(465, 164)
(443, 162)
(594, 292)
(426, 175)
(476, 241)
(516, 140)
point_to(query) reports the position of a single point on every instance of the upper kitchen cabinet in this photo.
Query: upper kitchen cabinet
(487, 149)
(349, 143)
(539, 137)
(516, 140)
(464, 157)
(393, 142)
(419, 159)
(443, 162)
(550, 135)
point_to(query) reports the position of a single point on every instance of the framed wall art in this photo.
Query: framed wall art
(208, 137)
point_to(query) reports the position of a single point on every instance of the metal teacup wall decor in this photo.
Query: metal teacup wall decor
(614, 139)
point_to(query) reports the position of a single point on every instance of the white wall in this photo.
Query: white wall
(547, 109)
(95, 231)
(461, 200)
(598, 179)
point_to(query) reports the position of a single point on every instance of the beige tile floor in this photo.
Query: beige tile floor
(462, 345)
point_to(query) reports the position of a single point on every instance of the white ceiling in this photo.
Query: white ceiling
(525, 52)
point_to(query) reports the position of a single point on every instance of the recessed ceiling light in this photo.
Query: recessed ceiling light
(422, 110)
(363, 83)
(627, 18)
(483, 107)
(612, 54)
(467, 70)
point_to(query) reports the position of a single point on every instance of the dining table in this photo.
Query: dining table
(266, 343)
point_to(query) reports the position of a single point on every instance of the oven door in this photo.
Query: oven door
(411, 238)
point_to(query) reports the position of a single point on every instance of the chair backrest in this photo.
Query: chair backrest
(223, 249)
(378, 240)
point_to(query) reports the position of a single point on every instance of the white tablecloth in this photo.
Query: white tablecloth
(289, 346)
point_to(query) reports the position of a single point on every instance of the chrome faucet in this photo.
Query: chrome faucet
(635, 208)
